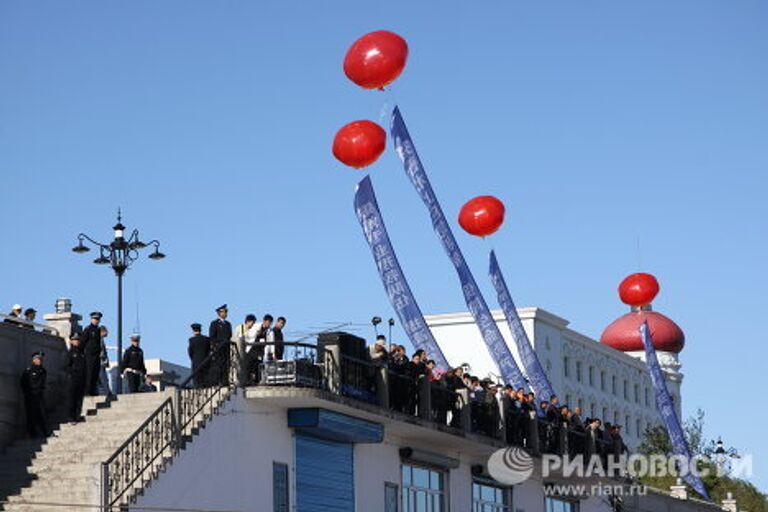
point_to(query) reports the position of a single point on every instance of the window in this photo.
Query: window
(604, 417)
(637, 428)
(567, 400)
(615, 417)
(558, 505)
(592, 410)
(280, 487)
(637, 393)
(423, 490)
(602, 381)
(591, 372)
(566, 365)
(578, 371)
(613, 384)
(626, 390)
(626, 424)
(490, 498)
(647, 401)
(580, 404)
(390, 497)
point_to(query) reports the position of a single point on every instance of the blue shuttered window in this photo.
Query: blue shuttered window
(324, 475)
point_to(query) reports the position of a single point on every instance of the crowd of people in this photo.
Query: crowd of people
(86, 365)
(495, 409)
(258, 342)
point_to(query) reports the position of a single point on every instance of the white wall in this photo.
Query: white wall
(229, 465)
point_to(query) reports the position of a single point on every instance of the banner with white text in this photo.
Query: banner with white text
(395, 284)
(533, 369)
(497, 347)
(667, 410)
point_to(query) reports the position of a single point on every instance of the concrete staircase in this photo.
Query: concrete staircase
(64, 469)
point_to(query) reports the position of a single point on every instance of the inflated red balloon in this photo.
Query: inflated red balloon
(376, 59)
(638, 289)
(359, 144)
(482, 216)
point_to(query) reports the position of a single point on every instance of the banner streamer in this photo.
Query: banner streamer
(667, 411)
(533, 369)
(395, 284)
(475, 302)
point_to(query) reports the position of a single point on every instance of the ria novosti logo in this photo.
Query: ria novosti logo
(514, 465)
(510, 466)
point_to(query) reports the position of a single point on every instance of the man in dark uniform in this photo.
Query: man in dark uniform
(220, 334)
(132, 364)
(277, 332)
(77, 372)
(90, 340)
(33, 385)
(198, 349)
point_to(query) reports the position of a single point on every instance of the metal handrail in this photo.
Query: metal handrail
(157, 434)
(201, 397)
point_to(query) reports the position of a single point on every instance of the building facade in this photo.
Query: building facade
(605, 382)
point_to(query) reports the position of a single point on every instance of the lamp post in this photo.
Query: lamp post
(120, 255)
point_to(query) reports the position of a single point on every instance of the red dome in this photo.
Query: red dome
(624, 334)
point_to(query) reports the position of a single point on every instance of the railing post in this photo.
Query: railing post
(382, 386)
(425, 398)
(104, 487)
(178, 417)
(501, 428)
(534, 443)
(466, 411)
(563, 441)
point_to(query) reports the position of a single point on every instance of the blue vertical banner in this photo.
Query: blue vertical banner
(667, 411)
(395, 284)
(533, 369)
(475, 302)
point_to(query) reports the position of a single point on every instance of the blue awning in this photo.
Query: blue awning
(334, 426)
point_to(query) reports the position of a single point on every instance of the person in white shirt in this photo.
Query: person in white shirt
(246, 333)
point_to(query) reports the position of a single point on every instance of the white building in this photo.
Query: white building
(605, 382)
(283, 449)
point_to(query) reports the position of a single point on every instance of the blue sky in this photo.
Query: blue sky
(604, 126)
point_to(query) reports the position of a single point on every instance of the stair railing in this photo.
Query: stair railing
(138, 455)
(161, 435)
(207, 387)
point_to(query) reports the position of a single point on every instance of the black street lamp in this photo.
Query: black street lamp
(120, 255)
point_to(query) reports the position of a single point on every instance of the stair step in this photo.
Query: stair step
(66, 468)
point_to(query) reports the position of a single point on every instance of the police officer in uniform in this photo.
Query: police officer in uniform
(198, 349)
(33, 382)
(76, 368)
(91, 342)
(132, 364)
(220, 334)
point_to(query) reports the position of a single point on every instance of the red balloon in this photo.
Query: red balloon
(376, 59)
(482, 216)
(359, 143)
(638, 289)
